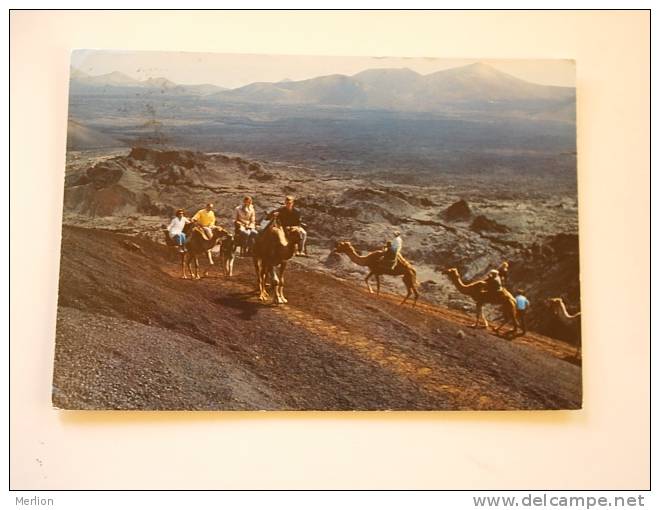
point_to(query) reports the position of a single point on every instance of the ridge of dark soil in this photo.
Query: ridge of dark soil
(132, 334)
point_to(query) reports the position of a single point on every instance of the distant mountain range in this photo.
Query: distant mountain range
(117, 83)
(477, 86)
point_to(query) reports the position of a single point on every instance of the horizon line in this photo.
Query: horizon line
(477, 63)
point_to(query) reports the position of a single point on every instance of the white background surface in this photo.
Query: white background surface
(606, 445)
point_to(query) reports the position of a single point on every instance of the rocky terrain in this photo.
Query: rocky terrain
(454, 223)
(131, 334)
(472, 165)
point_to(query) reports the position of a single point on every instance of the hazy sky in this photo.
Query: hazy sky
(235, 70)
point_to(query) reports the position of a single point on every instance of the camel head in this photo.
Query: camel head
(294, 235)
(342, 247)
(556, 305)
(553, 302)
(219, 233)
(452, 272)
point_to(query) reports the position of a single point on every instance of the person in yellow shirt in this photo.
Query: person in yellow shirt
(205, 218)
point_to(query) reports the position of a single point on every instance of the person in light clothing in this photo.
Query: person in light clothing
(522, 305)
(244, 221)
(175, 229)
(493, 282)
(392, 250)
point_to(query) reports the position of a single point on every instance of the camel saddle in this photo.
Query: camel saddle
(388, 263)
(496, 295)
(201, 232)
(168, 240)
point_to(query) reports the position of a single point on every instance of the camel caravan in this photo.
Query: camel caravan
(281, 235)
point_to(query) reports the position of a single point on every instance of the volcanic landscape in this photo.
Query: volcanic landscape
(467, 188)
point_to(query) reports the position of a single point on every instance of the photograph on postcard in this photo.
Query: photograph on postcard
(279, 232)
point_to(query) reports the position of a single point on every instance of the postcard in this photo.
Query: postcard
(259, 232)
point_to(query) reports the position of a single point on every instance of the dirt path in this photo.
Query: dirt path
(332, 347)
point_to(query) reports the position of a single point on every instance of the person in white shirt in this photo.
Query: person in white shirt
(393, 249)
(175, 229)
(244, 221)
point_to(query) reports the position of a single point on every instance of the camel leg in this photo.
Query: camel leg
(280, 285)
(197, 277)
(263, 293)
(265, 271)
(183, 266)
(366, 280)
(277, 279)
(410, 287)
(275, 284)
(476, 320)
(407, 283)
(189, 264)
(413, 291)
(284, 300)
(256, 270)
(206, 272)
(477, 316)
(509, 316)
(378, 285)
(480, 317)
(513, 317)
(259, 269)
(516, 322)
(505, 321)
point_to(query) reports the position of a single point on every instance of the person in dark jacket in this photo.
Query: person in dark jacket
(289, 216)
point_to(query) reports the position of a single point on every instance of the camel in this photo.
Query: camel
(478, 292)
(558, 308)
(374, 262)
(271, 251)
(196, 245)
(187, 229)
(227, 254)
